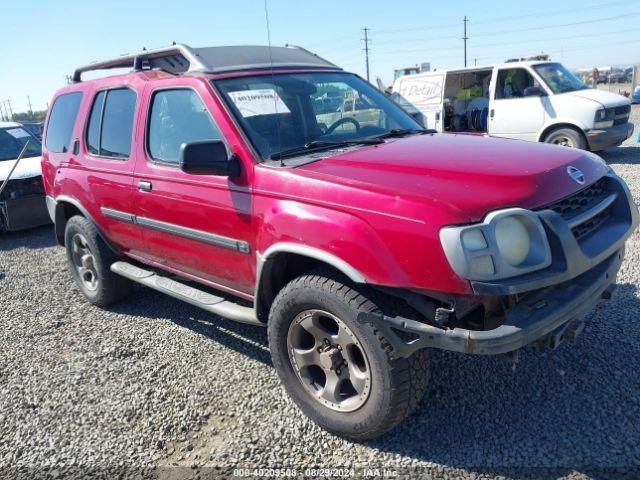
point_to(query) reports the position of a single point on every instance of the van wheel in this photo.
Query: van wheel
(90, 260)
(338, 371)
(566, 137)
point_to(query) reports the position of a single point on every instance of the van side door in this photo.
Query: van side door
(196, 225)
(513, 111)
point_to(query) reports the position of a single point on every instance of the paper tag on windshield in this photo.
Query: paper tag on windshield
(258, 102)
(17, 133)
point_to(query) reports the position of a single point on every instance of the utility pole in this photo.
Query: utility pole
(366, 49)
(30, 109)
(465, 38)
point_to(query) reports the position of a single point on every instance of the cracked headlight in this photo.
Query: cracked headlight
(506, 244)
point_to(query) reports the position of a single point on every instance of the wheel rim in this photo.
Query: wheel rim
(563, 141)
(329, 360)
(84, 262)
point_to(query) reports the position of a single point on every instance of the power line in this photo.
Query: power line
(528, 29)
(519, 42)
(560, 25)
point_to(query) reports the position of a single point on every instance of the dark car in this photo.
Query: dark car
(635, 98)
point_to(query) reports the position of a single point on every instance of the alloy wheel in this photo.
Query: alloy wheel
(84, 262)
(329, 360)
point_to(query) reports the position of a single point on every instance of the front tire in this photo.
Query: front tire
(566, 137)
(317, 345)
(90, 259)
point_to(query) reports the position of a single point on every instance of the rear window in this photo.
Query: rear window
(61, 120)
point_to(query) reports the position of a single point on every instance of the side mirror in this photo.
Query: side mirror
(534, 92)
(208, 157)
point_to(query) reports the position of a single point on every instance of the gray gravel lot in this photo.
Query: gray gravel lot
(154, 384)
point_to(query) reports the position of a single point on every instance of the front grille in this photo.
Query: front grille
(580, 202)
(585, 228)
(622, 114)
(21, 187)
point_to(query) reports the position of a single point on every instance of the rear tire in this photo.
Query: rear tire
(566, 137)
(90, 259)
(395, 386)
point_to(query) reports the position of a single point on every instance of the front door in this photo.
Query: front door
(195, 225)
(511, 113)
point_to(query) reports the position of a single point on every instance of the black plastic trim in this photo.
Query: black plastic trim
(535, 316)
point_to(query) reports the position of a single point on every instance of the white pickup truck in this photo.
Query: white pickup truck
(538, 101)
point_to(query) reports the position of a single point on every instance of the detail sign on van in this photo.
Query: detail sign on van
(423, 92)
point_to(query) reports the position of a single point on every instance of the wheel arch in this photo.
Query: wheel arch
(65, 208)
(282, 262)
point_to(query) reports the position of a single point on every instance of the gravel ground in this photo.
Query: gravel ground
(156, 388)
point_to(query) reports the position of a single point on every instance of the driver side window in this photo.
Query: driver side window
(177, 116)
(512, 82)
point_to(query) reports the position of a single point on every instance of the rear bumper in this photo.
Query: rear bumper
(609, 137)
(549, 313)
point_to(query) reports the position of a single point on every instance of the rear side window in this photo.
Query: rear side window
(177, 117)
(111, 123)
(61, 120)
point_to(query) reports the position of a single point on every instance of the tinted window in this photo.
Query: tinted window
(93, 130)
(61, 120)
(177, 117)
(117, 123)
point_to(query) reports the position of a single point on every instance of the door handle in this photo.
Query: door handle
(144, 186)
(491, 113)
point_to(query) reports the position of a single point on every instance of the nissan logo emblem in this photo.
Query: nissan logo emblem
(575, 174)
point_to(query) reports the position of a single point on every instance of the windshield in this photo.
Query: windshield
(280, 112)
(12, 141)
(558, 78)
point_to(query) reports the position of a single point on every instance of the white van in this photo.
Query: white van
(538, 101)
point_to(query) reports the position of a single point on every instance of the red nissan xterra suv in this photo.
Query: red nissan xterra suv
(232, 179)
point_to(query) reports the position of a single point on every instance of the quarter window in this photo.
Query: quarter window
(177, 117)
(111, 123)
(61, 121)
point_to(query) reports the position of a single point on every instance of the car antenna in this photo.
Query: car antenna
(275, 93)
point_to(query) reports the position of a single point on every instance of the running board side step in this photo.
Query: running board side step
(199, 298)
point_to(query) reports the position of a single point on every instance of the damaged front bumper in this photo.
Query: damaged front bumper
(556, 311)
(544, 306)
(23, 205)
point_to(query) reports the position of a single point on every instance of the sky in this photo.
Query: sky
(43, 44)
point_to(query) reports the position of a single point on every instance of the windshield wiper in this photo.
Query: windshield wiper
(401, 132)
(322, 145)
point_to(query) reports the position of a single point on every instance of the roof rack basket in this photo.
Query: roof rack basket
(173, 59)
(180, 58)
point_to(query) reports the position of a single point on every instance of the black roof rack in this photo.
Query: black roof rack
(180, 58)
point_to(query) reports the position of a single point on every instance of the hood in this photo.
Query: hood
(27, 168)
(606, 99)
(468, 174)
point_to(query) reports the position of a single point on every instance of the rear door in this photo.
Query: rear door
(106, 157)
(196, 225)
(511, 113)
